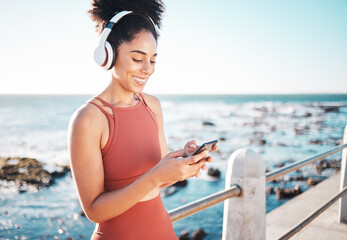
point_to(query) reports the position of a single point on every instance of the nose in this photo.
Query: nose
(147, 67)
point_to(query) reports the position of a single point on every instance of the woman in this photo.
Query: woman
(117, 145)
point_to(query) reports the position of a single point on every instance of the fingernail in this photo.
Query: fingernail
(192, 145)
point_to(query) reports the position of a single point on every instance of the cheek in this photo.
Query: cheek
(125, 68)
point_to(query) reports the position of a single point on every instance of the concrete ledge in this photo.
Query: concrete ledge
(325, 226)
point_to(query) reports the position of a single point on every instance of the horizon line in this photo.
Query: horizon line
(197, 94)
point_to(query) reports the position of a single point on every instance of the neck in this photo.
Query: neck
(118, 96)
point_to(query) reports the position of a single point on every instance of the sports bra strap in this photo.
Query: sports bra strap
(143, 99)
(101, 109)
(104, 102)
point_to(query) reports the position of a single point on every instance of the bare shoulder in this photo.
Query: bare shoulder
(153, 102)
(84, 117)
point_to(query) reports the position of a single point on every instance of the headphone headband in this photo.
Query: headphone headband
(101, 56)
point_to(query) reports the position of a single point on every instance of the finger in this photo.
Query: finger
(215, 148)
(191, 144)
(204, 167)
(175, 154)
(196, 167)
(197, 175)
(209, 159)
(196, 158)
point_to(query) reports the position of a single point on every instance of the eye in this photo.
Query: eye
(153, 62)
(137, 60)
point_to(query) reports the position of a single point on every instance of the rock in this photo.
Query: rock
(326, 164)
(199, 234)
(279, 165)
(270, 189)
(257, 140)
(313, 181)
(181, 183)
(82, 214)
(308, 114)
(213, 172)
(28, 173)
(64, 170)
(184, 235)
(316, 142)
(222, 139)
(208, 123)
(283, 193)
(25, 171)
(301, 130)
(298, 178)
(328, 109)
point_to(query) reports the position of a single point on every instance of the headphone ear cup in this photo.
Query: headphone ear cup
(100, 56)
(110, 56)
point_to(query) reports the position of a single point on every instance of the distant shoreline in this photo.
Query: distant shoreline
(183, 94)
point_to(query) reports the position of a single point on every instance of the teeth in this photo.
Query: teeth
(140, 80)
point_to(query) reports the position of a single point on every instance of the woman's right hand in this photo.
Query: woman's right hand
(175, 167)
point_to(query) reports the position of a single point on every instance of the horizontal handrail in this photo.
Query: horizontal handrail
(296, 165)
(203, 203)
(235, 190)
(310, 218)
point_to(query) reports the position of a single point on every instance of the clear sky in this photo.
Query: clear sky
(206, 47)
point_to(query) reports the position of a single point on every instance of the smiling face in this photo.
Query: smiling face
(135, 62)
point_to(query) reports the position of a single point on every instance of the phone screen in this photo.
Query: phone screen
(206, 146)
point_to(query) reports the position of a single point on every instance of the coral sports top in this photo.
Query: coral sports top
(131, 150)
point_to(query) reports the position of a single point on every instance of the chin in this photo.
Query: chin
(138, 90)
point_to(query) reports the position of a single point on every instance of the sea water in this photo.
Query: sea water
(36, 126)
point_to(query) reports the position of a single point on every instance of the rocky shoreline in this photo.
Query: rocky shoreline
(281, 187)
(24, 174)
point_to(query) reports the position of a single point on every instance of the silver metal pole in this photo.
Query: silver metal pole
(294, 166)
(310, 218)
(203, 203)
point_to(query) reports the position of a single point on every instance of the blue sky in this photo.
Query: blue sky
(206, 47)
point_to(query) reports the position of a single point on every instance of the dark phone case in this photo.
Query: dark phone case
(206, 145)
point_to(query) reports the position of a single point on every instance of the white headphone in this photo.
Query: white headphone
(104, 54)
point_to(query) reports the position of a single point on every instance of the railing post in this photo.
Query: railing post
(244, 216)
(343, 183)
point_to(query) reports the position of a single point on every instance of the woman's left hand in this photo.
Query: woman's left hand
(190, 148)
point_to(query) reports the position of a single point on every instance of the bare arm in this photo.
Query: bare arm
(88, 173)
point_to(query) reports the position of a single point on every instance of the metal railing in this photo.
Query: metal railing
(310, 218)
(297, 165)
(236, 191)
(203, 203)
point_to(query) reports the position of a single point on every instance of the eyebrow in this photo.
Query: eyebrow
(141, 52)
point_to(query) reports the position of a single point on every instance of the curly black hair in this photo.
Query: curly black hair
(103, 10)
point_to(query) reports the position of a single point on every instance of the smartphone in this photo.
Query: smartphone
(206, 146)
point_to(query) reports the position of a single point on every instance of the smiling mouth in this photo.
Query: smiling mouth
(140, 81)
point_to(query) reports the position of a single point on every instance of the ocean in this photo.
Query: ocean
(280, 128)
